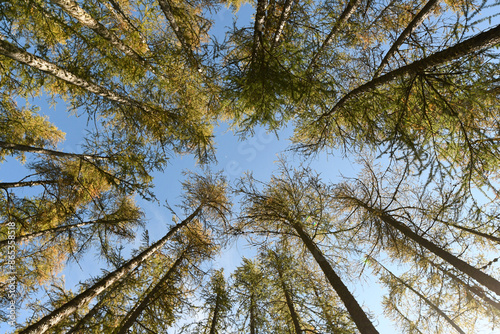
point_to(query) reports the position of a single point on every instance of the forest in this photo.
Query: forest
(408, 92)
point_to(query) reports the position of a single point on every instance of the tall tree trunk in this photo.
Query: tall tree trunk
(417, 20)
(479, 42)
(53, 318)
(421, 296)
(31, 149)
(166, 8)
(258, 28)
(11, 51)
(459, 264)
(253, 327)
(470, 288)
(20, 184)
(288, 298)
(77, 12)
(287, 8)
(53, 230)
(150, 297)
(359, 317)
(344, 16)
(215, 316)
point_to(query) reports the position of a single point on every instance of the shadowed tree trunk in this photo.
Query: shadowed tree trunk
(53, 318)
(479, 42)
(150, 297)
(421, 296)
(459, 264)
(359, 316)
(417, 20)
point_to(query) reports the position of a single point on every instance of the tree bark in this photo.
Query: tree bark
(31, 149)
(53, 230)
(150, 297)
(425, 299)
(479, 42)
(53, 318)
(213, 325)
(9, 185)
(459, 264)
(346, 14)
(287, 8)
(417, 20)
(11, 51)
(359, 317)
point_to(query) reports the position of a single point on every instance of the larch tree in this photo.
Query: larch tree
(296, 203)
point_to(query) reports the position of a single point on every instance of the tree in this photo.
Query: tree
(364, 197)
(208, 202)
(285, 206)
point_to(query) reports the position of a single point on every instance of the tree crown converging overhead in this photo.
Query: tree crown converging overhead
(407, 90)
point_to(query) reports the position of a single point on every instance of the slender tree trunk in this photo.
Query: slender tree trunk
(288, 298)
(346, 14)
(53, 230)
(73, 9)
(253, 327)
(287, 8)
(53, 318)
(11, 51)
(258, 29)
(9, 185)
(421, 296)
(31, 149)
(166, 8)
(215, 316)
(417, 20)
(479, 42)
(150, 297)
(472, 289)
(291, 309)
(359, 317)
(459, 264)
(77, 12)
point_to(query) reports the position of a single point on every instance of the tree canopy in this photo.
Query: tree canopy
(406, 90)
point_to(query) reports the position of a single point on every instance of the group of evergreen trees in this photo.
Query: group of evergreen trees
(415, 84)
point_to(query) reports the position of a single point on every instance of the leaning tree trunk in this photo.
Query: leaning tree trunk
(215, 316)
(150, 297)
(359, 316)
(287, 8)
(56, 316)
(291, 308)
(39, 150)
(470, 288)
(20, 184)
(346, 14)
(77, 12)
(479, 42)
(417, 20)
(459, 264)
(288, 298)
(53, 230)
(421, 296)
